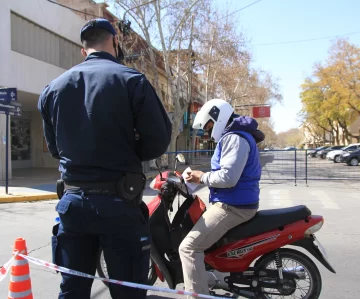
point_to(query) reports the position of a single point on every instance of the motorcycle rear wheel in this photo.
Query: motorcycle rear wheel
(311, 272)
(102, 271)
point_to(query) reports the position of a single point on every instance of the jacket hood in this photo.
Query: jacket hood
(246, 124)
(243, 123)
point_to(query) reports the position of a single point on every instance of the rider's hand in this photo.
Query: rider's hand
(194, 176)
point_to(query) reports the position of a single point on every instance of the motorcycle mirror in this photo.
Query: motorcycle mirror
(157, 163)
(180, 158)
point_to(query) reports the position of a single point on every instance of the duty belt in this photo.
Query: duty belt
(129, 187)
(92, 187)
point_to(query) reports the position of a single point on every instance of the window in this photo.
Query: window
(37, 42)
(351, 148)
(20, 139)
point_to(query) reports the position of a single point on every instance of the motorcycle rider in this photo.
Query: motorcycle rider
(233, 183)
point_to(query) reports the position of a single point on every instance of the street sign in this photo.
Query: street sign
(11, 109)
(8, 102)
(8, 94)
(262, 111)
(8, 106)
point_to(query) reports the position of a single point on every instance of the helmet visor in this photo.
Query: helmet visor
(209, 125)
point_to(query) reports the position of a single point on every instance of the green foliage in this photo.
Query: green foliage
(331, 97)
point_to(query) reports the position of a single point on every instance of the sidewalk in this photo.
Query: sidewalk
(34, 184)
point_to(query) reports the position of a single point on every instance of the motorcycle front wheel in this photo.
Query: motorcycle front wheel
(101, 269)
(308, 287)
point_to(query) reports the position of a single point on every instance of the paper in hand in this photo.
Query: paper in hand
(191, 186)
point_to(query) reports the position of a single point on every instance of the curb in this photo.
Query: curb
(25, 198)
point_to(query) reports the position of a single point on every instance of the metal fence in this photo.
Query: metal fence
(299, 165)
(280, 165)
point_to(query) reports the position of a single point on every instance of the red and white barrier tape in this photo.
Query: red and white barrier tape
(124, 283)
(5, 268)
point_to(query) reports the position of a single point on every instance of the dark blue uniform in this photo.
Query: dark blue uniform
(89, 114)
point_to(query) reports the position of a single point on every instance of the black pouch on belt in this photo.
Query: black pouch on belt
(130, 186)
(60, 188)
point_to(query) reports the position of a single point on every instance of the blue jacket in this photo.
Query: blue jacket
(246, 191)
(90, 113)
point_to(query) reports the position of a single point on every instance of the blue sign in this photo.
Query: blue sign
(185, 118)
(199, 132)
(8, 102)
(8, 94)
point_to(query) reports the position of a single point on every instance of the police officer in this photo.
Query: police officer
(101, 119)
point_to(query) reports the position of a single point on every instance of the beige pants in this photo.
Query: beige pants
(212, 225)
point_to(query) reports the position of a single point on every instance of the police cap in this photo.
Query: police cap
(97, 23)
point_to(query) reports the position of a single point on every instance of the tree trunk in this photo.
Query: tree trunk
(173, 149)
(337, 135)
(209, 67)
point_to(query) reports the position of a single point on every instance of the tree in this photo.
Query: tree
(330, 96)
(169, 24)
(226, 66)
(267, 127)
(193, 39)
(292, 137)
(344, 68)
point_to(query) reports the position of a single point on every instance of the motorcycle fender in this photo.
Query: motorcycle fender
(155, 256)
(308, 244)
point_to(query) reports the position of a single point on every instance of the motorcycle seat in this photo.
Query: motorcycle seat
(264, 221)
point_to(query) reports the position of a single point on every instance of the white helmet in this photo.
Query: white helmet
(217, 111)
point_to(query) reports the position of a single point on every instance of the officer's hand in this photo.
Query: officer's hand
(194, 176)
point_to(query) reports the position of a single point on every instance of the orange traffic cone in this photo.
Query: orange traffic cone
(20, 284)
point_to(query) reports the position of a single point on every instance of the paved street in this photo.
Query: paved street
(337, 202)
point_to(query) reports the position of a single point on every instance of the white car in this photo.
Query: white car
(336, 155)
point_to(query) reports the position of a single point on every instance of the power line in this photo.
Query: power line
(240, 9)
(305, 40)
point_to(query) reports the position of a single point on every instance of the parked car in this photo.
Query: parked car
(351, 159)
(336, 155)
(323, 152)
(290, 148)
(313, 152)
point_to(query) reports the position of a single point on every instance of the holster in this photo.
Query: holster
(60, 188)
(131, 186)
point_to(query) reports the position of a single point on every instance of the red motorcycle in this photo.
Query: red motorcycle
(249, 260)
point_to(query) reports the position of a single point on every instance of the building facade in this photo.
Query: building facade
(39, 41)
